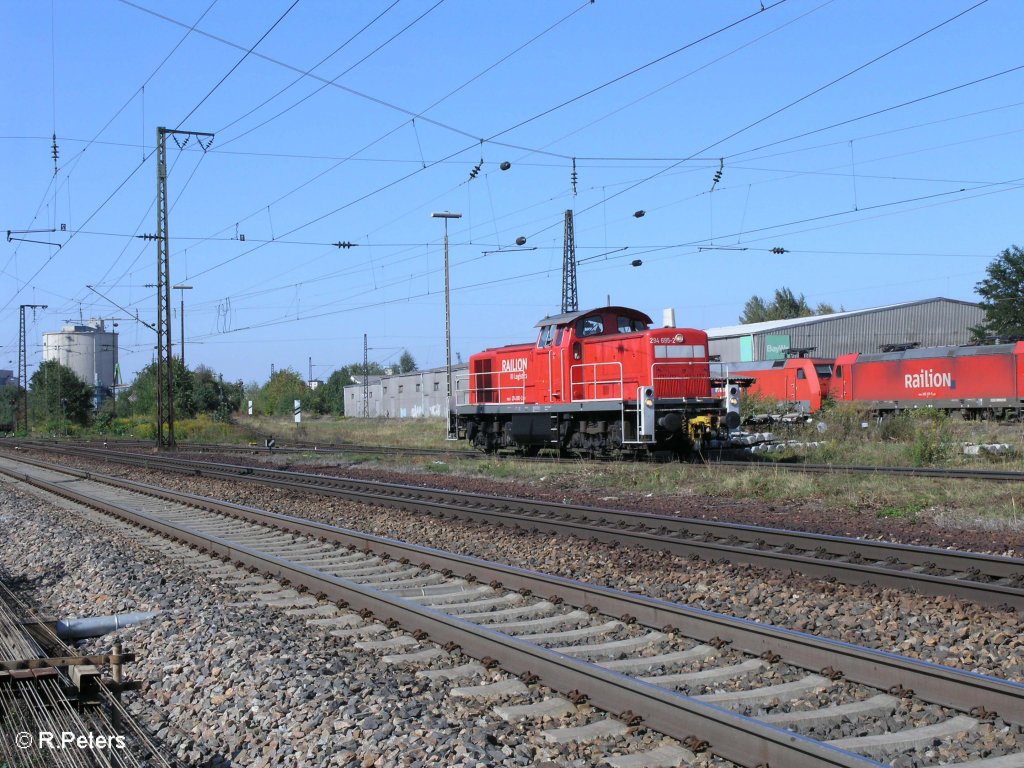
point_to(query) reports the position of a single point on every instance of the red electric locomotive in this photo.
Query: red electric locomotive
(976, 380)
(595, 382)
(801, 383)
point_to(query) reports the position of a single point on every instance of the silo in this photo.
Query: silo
(88, 350)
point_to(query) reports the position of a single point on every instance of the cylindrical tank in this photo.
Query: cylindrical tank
(88, 350)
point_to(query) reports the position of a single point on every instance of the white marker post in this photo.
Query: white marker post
(298, 411)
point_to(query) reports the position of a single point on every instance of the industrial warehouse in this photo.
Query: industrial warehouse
(925, 323)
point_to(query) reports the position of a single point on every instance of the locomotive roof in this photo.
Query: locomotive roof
(568, 317)
(928, 353)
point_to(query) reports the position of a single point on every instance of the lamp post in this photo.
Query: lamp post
(452, 432)
(181, 312)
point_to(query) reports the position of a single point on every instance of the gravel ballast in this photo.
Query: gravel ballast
(229, 681)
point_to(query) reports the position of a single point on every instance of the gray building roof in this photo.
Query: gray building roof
(750, 329)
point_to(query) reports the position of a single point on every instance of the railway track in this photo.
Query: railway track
(985, 579)
(718, 458)
(51, 689)
(761, 695)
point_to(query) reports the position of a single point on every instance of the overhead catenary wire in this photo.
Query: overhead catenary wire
(436, 103)
(794, 102)
(489, 140)
(70, 165)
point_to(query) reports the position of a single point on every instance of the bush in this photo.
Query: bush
(845, 420)
(897, 427)
(205, 428)
(931, 436)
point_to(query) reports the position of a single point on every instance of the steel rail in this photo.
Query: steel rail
(947, 473)
(938, 684)
(708, 459)
(986, 579)
(741, 739)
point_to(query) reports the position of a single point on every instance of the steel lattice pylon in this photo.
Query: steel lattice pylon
(22, 416)
(165, 358)
(570, 303)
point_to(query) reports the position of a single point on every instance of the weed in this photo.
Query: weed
(908, 511)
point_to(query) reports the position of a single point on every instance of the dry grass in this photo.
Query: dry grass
(397, 433)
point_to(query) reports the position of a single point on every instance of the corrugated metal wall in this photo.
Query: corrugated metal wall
(930, 323)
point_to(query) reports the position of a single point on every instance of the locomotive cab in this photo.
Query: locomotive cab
(800, 383)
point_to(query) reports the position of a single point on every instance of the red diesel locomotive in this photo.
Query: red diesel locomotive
(595, 382)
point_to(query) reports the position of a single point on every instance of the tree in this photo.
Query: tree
(10, 396)
(277, 397)
(784, 306)
(406, 363)
(140, 397)
(333, 398)
(214, 396)
(57, 397)
(1002, 296)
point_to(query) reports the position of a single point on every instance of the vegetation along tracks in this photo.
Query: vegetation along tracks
(630, 655)
(986, 579)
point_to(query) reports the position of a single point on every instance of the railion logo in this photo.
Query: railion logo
(515, 365)
(926, 378)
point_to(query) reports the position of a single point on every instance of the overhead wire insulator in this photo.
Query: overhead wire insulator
(476, 169)
(55, 151)
(346, 244)
(778, 250)
(574, 177)
(718, 173)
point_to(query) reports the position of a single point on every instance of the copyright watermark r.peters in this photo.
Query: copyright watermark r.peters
(67, 740)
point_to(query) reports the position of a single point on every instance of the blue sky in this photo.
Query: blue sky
(878, 143)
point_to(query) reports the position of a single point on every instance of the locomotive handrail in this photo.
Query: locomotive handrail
(472, 393)
(582, 368)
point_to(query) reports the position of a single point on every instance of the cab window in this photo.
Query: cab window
(547, 334)
(630, 324)
(801, 373)
(590, 326)
(839, 372)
